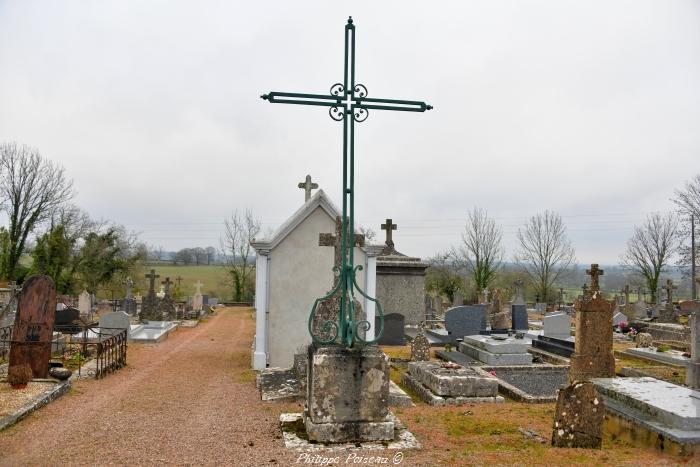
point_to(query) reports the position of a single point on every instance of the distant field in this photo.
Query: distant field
(213, 277)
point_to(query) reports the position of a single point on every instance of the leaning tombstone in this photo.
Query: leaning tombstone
(33, 329)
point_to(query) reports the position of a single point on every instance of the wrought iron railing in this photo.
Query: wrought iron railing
(80, 347)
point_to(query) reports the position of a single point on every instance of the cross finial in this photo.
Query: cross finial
(595, 272)
(307, 186)
(178, 279)
(389, 227)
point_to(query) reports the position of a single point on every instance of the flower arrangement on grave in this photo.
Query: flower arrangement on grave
(632, 333)
(19, 375)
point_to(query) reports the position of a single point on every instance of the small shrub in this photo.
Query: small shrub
(19, 374)
(663, 348)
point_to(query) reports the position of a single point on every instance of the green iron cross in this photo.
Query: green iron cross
(347, 102)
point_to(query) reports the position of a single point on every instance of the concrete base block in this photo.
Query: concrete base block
(345, 432)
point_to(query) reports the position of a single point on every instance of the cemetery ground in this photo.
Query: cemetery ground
(192, 400)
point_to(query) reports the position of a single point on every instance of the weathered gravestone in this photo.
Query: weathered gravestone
(519, 296)
(465, 321)
(33, 327)
(149, 305)
(114, 323)
(166, 305)
(557, 324)
(328, 310)
(198, 299)
(458, 299)
(85, 303)
(420, 347)
(667, 314)
(129, 304)
(393, 329)
(580, 411)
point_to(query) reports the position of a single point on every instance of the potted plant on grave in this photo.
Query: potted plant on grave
(19, 376)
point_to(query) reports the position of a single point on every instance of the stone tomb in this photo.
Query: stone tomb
(393, 329)
(652, 413)
(450, 384)
(496, 350)
(33, 328)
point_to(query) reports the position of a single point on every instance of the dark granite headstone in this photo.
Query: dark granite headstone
(393, 329)
(66, 320)
(129, 306)
(519, 317)
(33, 328)
(463, 321)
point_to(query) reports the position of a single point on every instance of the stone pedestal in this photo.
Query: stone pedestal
(593, 357)
(348, 395)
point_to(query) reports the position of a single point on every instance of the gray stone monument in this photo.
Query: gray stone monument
(465, 321)
(129, 306)
(519, 298)
(519, 317)
(557, 324)
(393, 329)
(85, 303)
(114, 322)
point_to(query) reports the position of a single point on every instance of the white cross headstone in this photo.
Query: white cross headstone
(198, 300)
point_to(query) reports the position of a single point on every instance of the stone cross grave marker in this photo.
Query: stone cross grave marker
(149, 305)
(307, 186)
(328, 310)
(486, 295)
(33, 327)
(669, 288)
(335, 240)
(129, 302)
(519, 298)
(595, 272)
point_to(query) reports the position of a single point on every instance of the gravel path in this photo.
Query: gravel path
(189, 400)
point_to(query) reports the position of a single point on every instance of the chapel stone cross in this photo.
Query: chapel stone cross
(388, 226)
(152, 278)
(347, 102)
(669, 288)
(199, 286)
(595, 273)
(307, 186)
(335, 240)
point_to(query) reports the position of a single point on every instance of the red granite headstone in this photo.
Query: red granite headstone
(31, 336)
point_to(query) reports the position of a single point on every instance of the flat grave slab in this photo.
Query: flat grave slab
(562, 347)
(669, 411)
(673, 357)
(497, 345)
(534, 383)
(151, 332)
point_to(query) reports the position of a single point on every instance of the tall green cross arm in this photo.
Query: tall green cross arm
(330, 100)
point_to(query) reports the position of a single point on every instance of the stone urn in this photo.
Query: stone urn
(60, 373)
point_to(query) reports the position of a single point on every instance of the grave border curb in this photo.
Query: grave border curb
(62, 388)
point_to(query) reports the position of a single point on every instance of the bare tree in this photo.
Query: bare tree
(688, 198)
(211, 254)
(650, 249)
(545, 251)
(481, 252)
(368, 232)
(239, 231)
(31, 190)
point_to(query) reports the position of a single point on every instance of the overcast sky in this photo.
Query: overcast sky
(590, 109)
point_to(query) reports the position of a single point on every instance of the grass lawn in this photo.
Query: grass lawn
(213, 277)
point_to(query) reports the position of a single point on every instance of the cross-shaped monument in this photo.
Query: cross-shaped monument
(335, 240)
(595, 272)
(178, 279)
(347, 102)
(389, 227)
(669, 288)
(198, 285)
(307, 186)
(152, 280)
